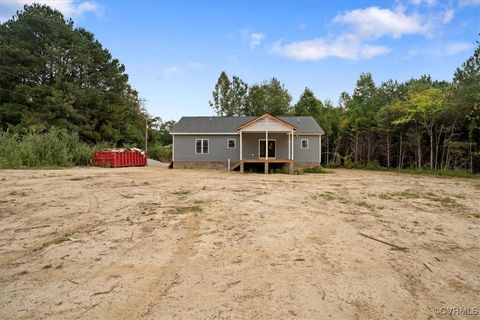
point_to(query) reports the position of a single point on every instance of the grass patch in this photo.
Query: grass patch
(182, 210)
(476, 186)
(18, 193)
(128, 196)
(317, 169)
(196, 209)
(436, 173)
(79, 178)
(181, 192)
(447, 202)
(399, 248)
(365, 204)
(384, 196)
(58, 240)
(444, 201)
(328, 195)
(343, 200)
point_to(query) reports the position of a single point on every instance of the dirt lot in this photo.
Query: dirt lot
(153, 243)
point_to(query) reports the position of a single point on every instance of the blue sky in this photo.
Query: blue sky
(174, 51)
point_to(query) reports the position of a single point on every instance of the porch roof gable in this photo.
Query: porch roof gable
(267, 122)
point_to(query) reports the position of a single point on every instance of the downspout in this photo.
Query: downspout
(173, 147)
(320, 149)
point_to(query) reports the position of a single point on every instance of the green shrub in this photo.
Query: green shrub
(160, 153)
(317, 169)
(299, 171)
(373, 165)
(53, 148)
(349, 163)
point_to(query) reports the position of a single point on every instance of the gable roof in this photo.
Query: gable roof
(266, 115)
(215, 124)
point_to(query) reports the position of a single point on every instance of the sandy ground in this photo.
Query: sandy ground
(154, 243)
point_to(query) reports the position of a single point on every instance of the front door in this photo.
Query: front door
(271, 148)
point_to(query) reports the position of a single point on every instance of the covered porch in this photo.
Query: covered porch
(266, 141)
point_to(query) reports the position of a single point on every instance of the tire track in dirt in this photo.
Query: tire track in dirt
(55, 234)
(145, 296)
(93, 204)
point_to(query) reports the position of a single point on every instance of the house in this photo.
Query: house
(246, 142)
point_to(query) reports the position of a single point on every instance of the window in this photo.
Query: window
(201, 146)
(231, 144)
(304, 143)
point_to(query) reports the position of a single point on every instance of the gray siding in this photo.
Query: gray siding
(306, 155)
(184, 148)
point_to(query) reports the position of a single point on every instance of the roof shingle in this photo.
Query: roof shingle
(215, 124)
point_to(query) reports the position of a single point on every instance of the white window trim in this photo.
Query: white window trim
(301, 143)
(201, 146)
(262, 148)
(234, 144)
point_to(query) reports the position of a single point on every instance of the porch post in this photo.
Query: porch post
(293, 140)
(241, 146)
(289, 142)
(266, 145)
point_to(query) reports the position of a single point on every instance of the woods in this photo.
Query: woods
(55, 75)
(420, 123)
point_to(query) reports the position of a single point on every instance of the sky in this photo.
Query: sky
(174, 51)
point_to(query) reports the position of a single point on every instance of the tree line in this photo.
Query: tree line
(55, 75)
(420, 123)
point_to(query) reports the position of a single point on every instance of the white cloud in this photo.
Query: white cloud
(70, 8)
(253, 39)
(362, 27)
(447, 49)
(171, 71)
(429, 3)
(448, 15)
(347, 47)
(469, 3)
(374, 22)
(456, 48)
(87, 6)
